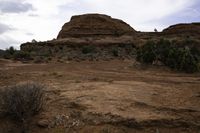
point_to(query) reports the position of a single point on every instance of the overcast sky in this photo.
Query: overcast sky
(24, 20)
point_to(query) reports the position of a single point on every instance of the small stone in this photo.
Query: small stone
(43, 123)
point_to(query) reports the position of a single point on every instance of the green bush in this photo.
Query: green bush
(12, 53)
(147, 53)
(21, 55)
(181, 58)
(8, 54)
(11, 50)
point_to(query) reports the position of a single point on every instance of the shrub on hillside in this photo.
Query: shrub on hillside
(12, 53)
(147, 53)
(21, 102)
(182, 58)
(21, 55)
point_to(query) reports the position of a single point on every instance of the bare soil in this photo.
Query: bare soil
(109, 97)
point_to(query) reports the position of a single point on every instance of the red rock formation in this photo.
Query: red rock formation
(90, 25)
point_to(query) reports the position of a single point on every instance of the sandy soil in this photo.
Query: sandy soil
(110, 97)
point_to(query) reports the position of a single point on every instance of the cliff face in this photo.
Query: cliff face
(92, 25)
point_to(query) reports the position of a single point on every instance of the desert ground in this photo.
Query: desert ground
(118, 96)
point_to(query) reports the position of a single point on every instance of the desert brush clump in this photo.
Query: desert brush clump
(22, 55)
(12, 53)
(21, 102)
(147, 53)
(179, 57)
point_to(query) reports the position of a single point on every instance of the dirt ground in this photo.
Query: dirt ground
(109, 97)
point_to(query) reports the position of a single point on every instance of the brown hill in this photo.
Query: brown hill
(193, 28)
(94, 25)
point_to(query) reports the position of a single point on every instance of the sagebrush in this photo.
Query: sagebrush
(21, 102)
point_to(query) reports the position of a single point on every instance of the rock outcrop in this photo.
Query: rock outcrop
(84, 48)
(92, 25)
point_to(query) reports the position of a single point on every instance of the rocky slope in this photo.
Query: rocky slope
(84, 48)
(97, 36)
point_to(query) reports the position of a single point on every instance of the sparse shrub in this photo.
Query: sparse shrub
(88, 49)
(22, 55)
(12, 53)
(21, 102)
(181, 58)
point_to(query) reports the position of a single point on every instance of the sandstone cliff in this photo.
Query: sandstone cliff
(94, 25)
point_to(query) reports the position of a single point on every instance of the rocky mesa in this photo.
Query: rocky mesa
(92, 25)
(98, 36)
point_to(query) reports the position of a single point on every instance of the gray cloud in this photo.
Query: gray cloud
(4, 28)
(14, 7)
(6, 42)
